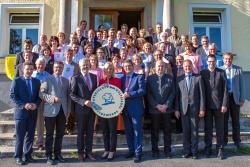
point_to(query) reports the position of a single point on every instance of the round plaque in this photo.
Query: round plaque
(107, 101)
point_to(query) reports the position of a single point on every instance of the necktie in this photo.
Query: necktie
(127, 82)
(188, 82)
(29, 88)
(88, 82)
(212, 80)
(159, 86)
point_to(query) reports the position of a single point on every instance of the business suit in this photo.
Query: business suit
(55, 113)
(25, 120)
(189, 103)
(216, 97)
(79, 93)
(20, 59)
(109, 52)
(133, 112)
(160, 90)
(236, 96)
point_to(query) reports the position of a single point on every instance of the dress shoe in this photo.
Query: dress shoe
(81, 157)
(29, 160)
(208, 152)
(19, 161)
(51, 161)
(105, 155)
(221, 154)
(111, 156)
(129, 155)
(137, 159)
(59, 158)
(186, 155)
(91, 157)
(168, 155)
(155, 154)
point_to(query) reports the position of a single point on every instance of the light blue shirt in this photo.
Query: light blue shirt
(40, 76)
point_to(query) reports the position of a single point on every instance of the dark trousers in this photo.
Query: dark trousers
(218, 117)
(85, 125)
(52, 123)
(234, 111)
(25, 131)
(190, 125)
(109, 133)
(156, 120)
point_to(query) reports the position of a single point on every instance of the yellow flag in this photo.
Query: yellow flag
(10, 61)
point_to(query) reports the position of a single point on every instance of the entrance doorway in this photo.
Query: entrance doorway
(115, 18)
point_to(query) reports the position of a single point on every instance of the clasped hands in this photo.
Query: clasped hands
(30, 106)
(162, 107)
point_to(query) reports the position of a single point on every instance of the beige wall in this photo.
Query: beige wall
(240, 23)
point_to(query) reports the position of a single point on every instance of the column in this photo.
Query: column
(167, 14)
(62, 16)
(74, 14)
(159, 11)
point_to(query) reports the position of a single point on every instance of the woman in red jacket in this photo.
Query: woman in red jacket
(109, 124)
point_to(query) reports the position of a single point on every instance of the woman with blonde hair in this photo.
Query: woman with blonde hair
(109, 124)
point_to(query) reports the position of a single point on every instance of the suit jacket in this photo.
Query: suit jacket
(19, 95)
(51, 89)
(215, 90)
(195, 97)
(79, 91)
(238, 84)
(160, 93)
(19, 70)
(20, 59)
(108, 55)
(200, 51)
(136, 90)
(96, 44)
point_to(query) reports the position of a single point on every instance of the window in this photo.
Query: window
(21, 27)
(212, 20)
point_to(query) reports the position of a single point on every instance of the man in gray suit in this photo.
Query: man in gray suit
(55, 92)
(190, 104)
(160, 94)
(216, 105)
(236, 88)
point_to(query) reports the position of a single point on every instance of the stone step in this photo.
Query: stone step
(70, 141)
(7, 115)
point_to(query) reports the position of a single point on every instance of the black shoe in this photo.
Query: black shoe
(19, 161)
(195, 156)
(129, 155)
(168, 155)
(187, 155)
(59, 158)
(50, 161)
(29, 160)
(155, 154)
(208, 152)
(221, 154)
(137, 159)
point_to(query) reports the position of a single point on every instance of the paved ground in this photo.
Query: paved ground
(234, 159)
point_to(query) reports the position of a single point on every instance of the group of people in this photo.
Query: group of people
(159, 72)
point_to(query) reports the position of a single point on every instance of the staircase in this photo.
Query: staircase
(7, 141)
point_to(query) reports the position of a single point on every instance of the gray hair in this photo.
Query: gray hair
(40, 60)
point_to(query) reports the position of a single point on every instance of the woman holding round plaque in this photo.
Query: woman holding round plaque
(109, 124)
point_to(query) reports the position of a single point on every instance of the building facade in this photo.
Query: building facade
(226, 22)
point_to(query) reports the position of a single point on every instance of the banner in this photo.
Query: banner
(10, 61)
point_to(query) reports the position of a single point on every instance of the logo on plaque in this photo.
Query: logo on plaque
(108, 101)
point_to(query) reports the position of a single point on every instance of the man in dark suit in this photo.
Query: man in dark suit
(133, 86)
(236, 88)
(216, 105)
(160, 94)
(110, 50)
(91, 39)
(190, 104)
(55, 92)
(24, 93)
(82, 87)
(28, 56)
(26, 47)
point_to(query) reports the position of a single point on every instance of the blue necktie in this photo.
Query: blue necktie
(29, 88)
(188, 81)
